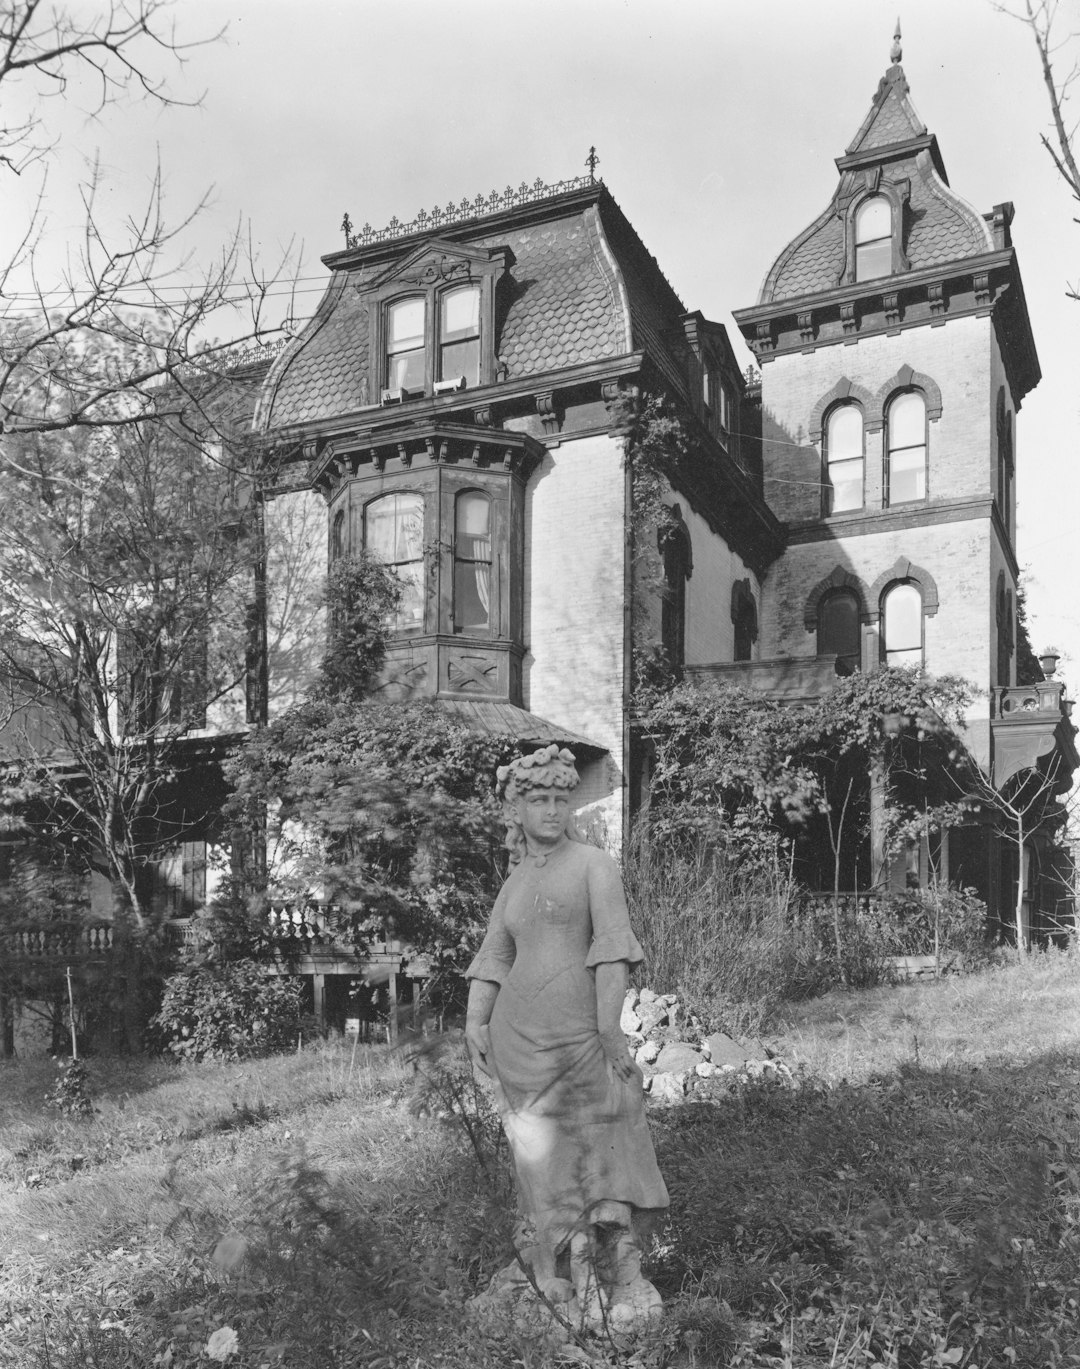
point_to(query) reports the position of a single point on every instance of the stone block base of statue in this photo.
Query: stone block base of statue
(597, 1286)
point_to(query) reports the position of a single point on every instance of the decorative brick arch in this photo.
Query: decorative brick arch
(905, 379)
(839, 578)
(843, 391)
(904, 570)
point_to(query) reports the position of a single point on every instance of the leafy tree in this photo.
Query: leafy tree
(126, 562)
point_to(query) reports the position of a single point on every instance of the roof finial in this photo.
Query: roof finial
(592, 161)
(897, 51)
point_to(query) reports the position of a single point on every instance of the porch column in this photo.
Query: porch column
(318, 993)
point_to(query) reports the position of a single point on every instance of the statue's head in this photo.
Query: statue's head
(552, 768)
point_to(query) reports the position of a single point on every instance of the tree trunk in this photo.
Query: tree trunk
(1021, 939)
(7, 1027)
(877, 820)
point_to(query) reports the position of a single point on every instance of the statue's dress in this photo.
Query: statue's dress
(577, 1131)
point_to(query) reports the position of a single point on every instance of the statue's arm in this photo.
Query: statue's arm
(482, 996)
(611, 980)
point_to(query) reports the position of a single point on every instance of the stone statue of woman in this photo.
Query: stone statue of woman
(543, 1022)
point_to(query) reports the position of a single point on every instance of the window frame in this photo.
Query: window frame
(896, 194)
(677, 552)
(457, 560)
(886, 650)
(827, 491)
(397, 629)
(859, 213)
(437, 269)
(888, 500)
(833, 596)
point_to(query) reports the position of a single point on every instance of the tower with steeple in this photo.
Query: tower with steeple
(895, 351)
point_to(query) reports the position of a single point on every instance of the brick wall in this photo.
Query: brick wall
(574, 595)
(956, 356)
(710, 633)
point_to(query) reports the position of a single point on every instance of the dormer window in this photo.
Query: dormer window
(873, 239)
(432, 320)
(406, 350)
(459, 335)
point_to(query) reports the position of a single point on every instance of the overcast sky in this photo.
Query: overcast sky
(716, 123)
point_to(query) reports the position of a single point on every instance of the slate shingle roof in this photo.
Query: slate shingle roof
(939, 226)
(566, 307)
(325, 371)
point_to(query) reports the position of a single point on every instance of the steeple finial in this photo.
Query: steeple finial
(897, 51)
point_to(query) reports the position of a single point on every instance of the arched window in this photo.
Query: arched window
(873, 239)
(844, 459)
(459, 335)
(678, 566)
(1005, 460)
(394, 534)
(337, 536)
(902, 625)
(744, 619)
(406, 349)
(1005, 633)
(472, 562)
(906, 458)
(839, 631)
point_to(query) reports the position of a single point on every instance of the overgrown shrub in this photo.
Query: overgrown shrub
(230, 1012)
(732, 941)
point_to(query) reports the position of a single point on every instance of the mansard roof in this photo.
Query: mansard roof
(581, 289)
(892, 146)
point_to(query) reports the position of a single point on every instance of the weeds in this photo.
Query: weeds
(909, 1217)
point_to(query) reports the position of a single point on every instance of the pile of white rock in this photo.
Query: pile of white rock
(678, 1058)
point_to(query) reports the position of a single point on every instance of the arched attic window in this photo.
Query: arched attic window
(844, 453)
(839, 630)
(873, 238)
(674, 544)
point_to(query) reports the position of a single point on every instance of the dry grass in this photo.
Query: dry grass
(912, 1210)
(1009, 1013)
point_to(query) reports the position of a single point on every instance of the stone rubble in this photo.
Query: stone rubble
(680, 1061)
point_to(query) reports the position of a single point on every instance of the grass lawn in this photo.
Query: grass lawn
(913, 1203)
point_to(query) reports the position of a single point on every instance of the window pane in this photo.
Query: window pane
(907, 475)
(844, 438)
(473, 511)
(873, 260)
(873, 220)
(394, 528)
(410, 609)
(838, 631)
(472, 594)
(405, 328)
(907, 421)
(406, 371)
(460, 314)
(903, 625)
(460, 359)
(845, 486)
